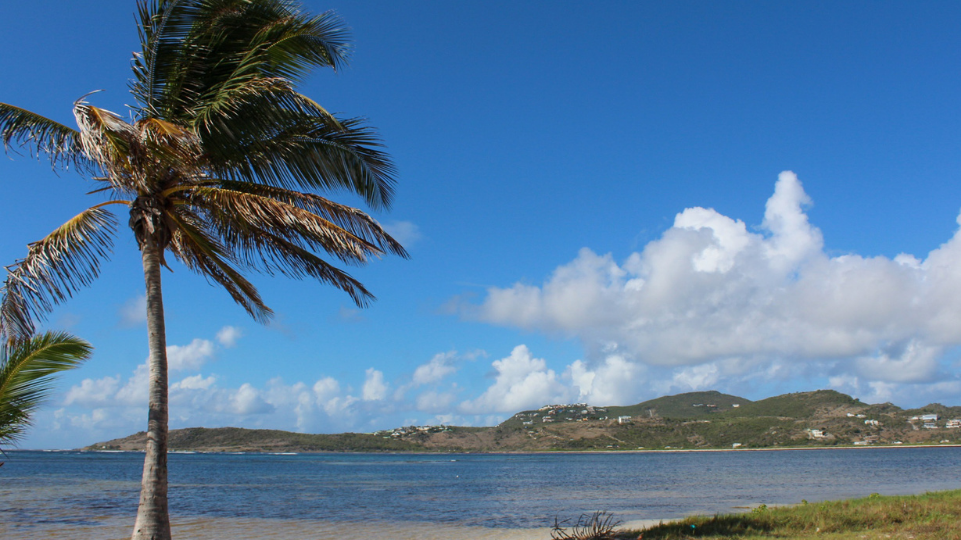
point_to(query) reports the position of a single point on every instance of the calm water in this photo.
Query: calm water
(40, 491)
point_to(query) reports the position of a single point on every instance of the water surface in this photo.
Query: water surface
(48, 494)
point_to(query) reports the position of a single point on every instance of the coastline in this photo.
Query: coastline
(219, 528)
(519, 452)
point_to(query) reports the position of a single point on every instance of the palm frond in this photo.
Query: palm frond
(61, 144)
(351, 219)
(27, 368)
(296, 45)
(207, 257)
(191, 46)
(168, 148)
(238, 215)
(163, 26)
(54, 268)
(108, 140)
(258, 104)
(308, 153)
(296, 262)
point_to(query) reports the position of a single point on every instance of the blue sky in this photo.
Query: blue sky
(593, 197)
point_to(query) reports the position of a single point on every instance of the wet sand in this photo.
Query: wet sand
(266, 529)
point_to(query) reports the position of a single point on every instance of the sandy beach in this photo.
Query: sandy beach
(266, 529)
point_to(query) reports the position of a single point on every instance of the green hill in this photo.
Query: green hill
(692, 405)
(796, 405)
(232, 439)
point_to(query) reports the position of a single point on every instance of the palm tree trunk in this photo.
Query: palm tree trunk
(153, 519)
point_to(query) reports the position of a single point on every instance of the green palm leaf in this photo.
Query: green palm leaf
(26, 374)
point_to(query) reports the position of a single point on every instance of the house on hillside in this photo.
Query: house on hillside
(953, 424)
(872, 423)
(623, 419)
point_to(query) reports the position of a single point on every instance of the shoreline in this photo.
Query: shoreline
(509, 452)
(244, 528)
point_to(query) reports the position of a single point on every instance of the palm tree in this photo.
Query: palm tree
(219, 167)
(26, 370)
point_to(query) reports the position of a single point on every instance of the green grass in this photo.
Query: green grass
(932, 516)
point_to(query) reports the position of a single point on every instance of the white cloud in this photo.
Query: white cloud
(194, 382)
(702, 377)
(436, 402)
(613, 382)
(228, 336)
(248, 400)
(375, 389)
(190, 357)
(902, 362)
(521, 382)
(434, 371)
(711, 302)
(92, 392)
(134, 392)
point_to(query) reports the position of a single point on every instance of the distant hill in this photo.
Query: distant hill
(684, 421)
(797, 405)
(689, 405)
(232, 439)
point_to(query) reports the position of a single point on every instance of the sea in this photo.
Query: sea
(94, 495)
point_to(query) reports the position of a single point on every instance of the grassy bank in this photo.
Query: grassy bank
(932, 516)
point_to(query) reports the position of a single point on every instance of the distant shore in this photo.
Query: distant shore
(519, 452)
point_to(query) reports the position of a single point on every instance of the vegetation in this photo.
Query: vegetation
(263, 440)
(27, 368)
(839, 420)
(932, 516)
(682, 406)
(796, 405)
(596, 526)
(218, 168)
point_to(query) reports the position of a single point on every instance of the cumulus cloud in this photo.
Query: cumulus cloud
(248, 400)
(437, 369)
(436, 402)
(190, 357)
(521, 382)
(228, 336)
(711, 299)
(375, 389)
(92, 393)
(614, 381)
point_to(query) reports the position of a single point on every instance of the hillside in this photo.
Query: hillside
(684, 421)
(683, 406)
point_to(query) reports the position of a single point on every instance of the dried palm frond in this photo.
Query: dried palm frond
(55, 267)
